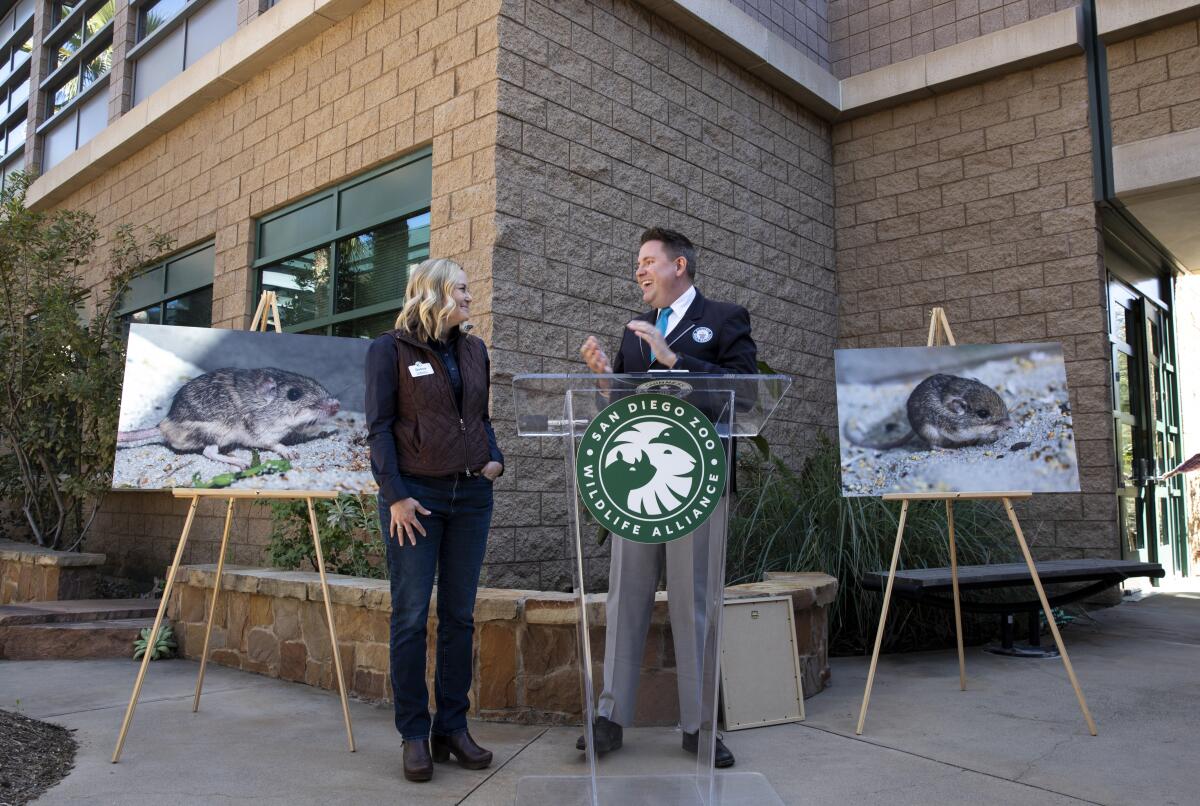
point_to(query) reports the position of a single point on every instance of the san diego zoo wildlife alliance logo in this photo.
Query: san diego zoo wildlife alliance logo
(651, 468)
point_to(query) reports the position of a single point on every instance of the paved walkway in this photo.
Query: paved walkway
(1015, 737)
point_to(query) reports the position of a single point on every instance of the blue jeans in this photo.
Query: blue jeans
(453, 545)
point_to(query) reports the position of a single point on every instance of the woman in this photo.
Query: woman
(434, 456)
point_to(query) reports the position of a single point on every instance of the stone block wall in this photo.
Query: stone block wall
(869, 34)
(30, 573)
(1154, 83)
(611, 120)
(803, 24)
(980, 201)
(526, 652)
(387, 79)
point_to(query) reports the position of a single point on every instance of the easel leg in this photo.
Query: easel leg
(162, 608)
(958, 631)
(887, 597)
(337, 655)
(212, 609)
(1037, 583)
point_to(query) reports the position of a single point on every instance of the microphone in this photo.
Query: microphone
(466, 327)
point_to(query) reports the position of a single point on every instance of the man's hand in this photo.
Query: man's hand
(648, 333)
(404, 520)
(594, 357)
(492, 470)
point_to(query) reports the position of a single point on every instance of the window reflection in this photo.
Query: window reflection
(151, 17)
(100, 64)
(1122, 379)
(1129, 524)
(64, 94)
(99, 18)
(302, 286)
(192, 310)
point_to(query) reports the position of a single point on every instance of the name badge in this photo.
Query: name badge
(420, 369)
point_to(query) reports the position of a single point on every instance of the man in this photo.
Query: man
(684, 331)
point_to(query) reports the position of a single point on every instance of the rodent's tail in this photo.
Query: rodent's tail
(893, 431)
(135, 439)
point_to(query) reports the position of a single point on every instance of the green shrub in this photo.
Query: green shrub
(350, 536)
(788, 521)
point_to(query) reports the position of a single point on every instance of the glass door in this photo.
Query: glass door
(1170, 524)
(1146, 429)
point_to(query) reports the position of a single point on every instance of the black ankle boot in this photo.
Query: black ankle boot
(463, 748)
(418, 766)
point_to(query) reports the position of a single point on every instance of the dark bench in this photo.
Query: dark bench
(933, 586)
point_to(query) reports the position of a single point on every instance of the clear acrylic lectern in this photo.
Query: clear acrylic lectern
(653, 766)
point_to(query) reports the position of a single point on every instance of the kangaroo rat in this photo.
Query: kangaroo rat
(951, 412)
(250, 408)
(945, 411)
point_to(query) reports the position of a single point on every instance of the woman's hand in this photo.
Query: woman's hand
(404, 520)
(492, 470)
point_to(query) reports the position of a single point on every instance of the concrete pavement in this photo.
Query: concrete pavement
(1015, 736)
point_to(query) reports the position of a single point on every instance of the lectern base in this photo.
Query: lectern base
(731, 789)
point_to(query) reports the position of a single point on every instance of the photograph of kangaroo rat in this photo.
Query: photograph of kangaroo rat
(216, 408)
(247, 408)
(972, 418)
(945, 411)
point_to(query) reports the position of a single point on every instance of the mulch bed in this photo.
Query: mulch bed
(36, 756)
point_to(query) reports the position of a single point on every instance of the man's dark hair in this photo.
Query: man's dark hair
(675, 244)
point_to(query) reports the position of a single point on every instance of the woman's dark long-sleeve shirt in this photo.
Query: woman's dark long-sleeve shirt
(382, 379)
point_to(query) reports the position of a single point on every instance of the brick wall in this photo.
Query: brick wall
(389, 78)
(804, 24)
(611, 120)
(1154, 83)
(869, 34)
(980, 200)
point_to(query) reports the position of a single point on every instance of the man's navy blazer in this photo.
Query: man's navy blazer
(729, 348)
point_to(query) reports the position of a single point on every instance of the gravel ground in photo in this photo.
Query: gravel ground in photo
(1037, 454)
(338, 461)
(34, 756)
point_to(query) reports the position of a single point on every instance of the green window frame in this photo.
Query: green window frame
(176, 291)
(338, 260)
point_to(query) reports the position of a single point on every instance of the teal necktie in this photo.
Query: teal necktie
(664, 315)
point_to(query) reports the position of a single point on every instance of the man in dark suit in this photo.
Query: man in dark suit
(684, 331)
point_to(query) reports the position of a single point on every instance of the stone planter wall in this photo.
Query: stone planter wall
(30, 573)
(526, 659)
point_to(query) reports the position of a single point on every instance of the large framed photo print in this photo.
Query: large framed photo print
(212, 408)
(964, 419)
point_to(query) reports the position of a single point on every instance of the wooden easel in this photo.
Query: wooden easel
(939, 327)
(266, 303)
(268, 306)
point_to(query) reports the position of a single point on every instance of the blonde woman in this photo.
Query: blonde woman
(434, 456)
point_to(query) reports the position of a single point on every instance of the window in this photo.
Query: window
(77, 29)
(9, 167)
(15, 55)
(16, 44)
(152, 15)
(14, 134)
(177, 291)
(173, 35)
(339, 261)
(15, 18)
(80, 49)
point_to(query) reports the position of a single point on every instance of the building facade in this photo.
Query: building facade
(844, 166)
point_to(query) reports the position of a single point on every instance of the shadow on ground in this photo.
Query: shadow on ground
(1015, 736)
